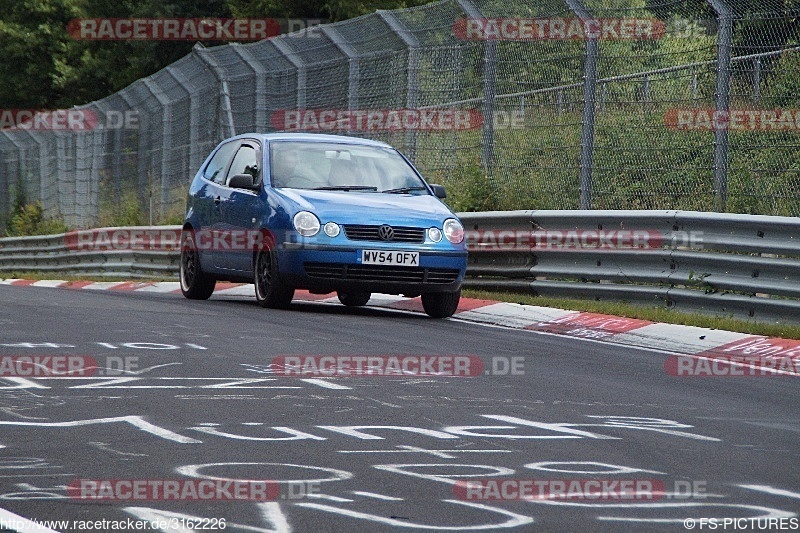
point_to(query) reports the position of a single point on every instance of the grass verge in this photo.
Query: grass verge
(655, 314)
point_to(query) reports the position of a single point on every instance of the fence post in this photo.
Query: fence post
(196, 157)
(262, 120)
(412, 85)
(299, 68)
(756, 79)
(166, 137)
(353, 72)
(225, 93)
(489, 92)
(589, 97)
(722, 99)
(142, 157)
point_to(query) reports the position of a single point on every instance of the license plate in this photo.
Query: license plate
(393, 258)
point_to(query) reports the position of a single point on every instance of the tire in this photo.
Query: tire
(441, 304)
(354, 299)
(195, 284)
(271, 292)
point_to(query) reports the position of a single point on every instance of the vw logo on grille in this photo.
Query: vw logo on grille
(386, 232)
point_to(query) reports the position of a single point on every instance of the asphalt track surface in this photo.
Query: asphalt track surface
(201, 399)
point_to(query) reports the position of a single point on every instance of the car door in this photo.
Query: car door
(207, 202)
(241, 209)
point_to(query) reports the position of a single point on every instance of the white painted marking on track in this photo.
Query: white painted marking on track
(194, 471)
(104, 285)
(605, 468)
(136, 421)
(772, 490)
(242, 290)
(23, 383)
(326, 384)
(22, 524)
(377, 496)
(48, 283)
(513, 315)
(161, 286)
(328, 497)
(273, 515)
(444, 454)
(515, 520)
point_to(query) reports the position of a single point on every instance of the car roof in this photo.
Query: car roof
(312, 137)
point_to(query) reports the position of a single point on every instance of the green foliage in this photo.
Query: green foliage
(43, 67)
(120, 209)
(470, 190)
(29, 220)
(333, 10)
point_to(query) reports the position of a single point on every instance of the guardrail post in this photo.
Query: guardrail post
(589, 97)
(722, 99)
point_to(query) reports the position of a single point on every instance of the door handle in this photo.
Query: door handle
(217, 200)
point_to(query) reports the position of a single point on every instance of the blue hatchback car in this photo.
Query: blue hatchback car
(324, 213)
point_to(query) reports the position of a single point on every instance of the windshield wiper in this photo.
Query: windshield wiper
(403, 190)
(346, 188)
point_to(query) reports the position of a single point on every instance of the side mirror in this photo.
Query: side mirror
(438, 191)
(242, 181)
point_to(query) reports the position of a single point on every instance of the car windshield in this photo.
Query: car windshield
(342, 167)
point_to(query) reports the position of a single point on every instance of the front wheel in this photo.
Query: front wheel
(441, 304)
(195, 284)
(354, 299)
(270, 290)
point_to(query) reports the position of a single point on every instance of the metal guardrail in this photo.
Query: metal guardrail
(745, 266)
(51, 254)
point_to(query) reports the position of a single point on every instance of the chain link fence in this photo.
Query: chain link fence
(542, 104)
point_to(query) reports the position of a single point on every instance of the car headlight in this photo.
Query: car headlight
(435, 234)
(306, 224)
(453, 230)
(331, 229)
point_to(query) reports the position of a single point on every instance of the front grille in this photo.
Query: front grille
(363, 232)
(339, 271)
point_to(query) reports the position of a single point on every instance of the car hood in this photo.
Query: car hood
(351, 207)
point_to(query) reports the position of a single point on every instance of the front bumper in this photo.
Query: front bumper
(322, 268)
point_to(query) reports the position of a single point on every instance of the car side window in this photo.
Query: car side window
(215, 170)
(245, 162)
